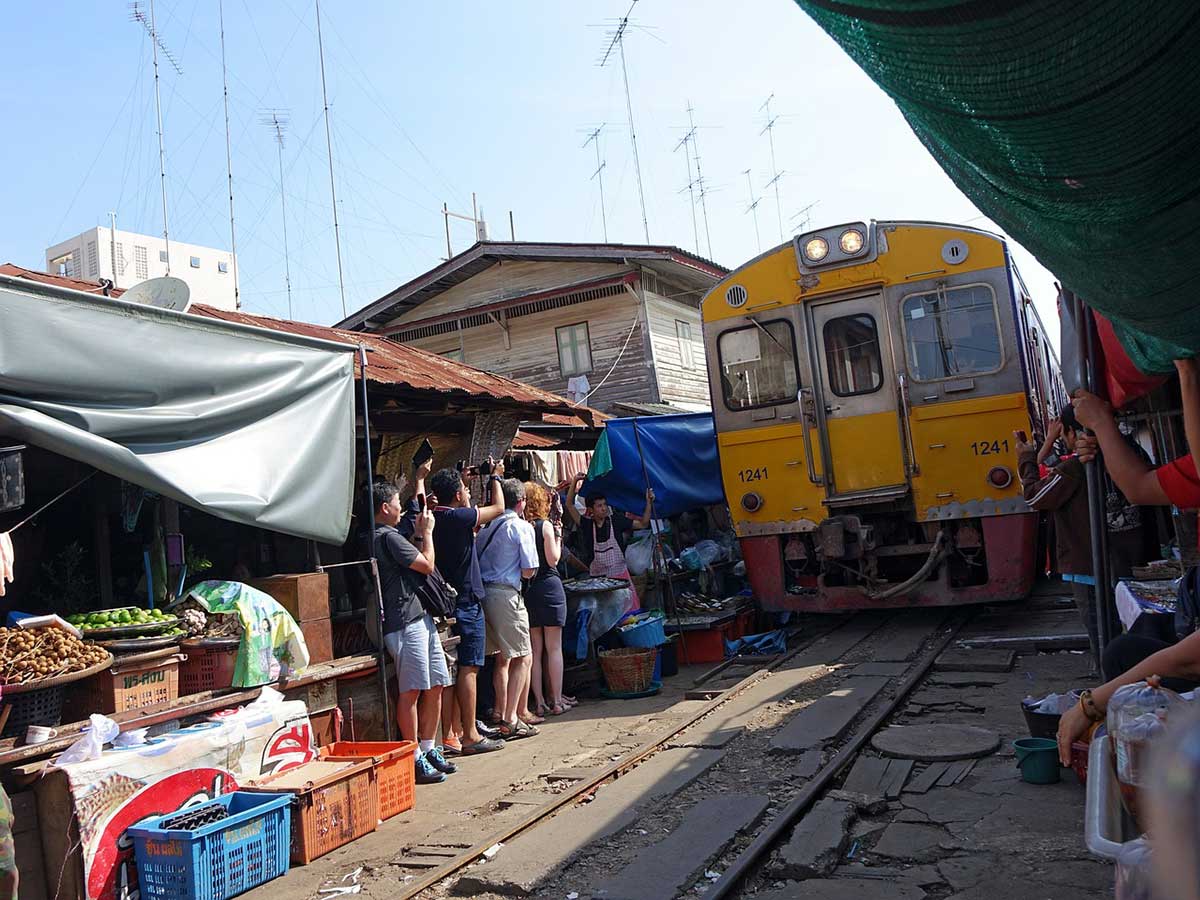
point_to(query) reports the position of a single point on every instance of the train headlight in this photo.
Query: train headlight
(816, 249)
(752, 502)
(999, 477)
(851, 241)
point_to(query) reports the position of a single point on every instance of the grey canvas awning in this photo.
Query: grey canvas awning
(250, 425)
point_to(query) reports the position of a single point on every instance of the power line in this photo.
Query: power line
(618, 41)
(337, 241)
(594, 138)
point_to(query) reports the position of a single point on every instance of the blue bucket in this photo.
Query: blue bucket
(649, 633)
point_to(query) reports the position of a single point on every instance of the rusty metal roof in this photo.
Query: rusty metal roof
(74, 284)
(405, 366)
(485, 254)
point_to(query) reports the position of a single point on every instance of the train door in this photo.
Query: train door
(854, 376)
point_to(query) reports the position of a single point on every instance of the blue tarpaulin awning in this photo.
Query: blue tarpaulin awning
(680, 457)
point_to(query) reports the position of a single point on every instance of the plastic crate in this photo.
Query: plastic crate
(207, 668)
(336, 803)
(707, 644)
(393, 769)
(219, 860)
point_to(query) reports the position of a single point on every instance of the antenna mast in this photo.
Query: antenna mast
(337, 241)
(156, 45)
(277, 121)
(699, 179)
(237, 297)
(618, 41)
(691, 184)
(769, 128)
(753, 208)
(594, 137)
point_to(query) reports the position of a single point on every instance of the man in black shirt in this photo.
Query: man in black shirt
(408, 630)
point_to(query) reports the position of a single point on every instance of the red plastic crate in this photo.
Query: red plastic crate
(393, 767)
(707, 645)
(206, 668)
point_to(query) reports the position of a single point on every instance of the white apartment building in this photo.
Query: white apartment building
(127, 258)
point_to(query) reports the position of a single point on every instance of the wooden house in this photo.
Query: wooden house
(602, 323)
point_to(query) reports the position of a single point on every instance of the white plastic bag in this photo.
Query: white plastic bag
(639, 556)
(91, 744)
(710, 552)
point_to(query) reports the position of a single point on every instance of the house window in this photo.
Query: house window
(574, 349)
(140, 267)
(852, 355)
(93, 268)
(223, 267)
(683, 331)
(952, 332)
(162, 256)
(758, 365)
(195, 262)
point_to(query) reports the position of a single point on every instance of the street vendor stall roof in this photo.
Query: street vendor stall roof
(245, 423)
(402, 365)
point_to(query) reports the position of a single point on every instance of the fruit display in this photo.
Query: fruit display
(36, 654)
(128, 618)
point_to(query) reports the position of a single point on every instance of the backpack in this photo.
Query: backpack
(1187, 604)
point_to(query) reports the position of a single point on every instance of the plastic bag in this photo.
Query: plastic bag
(765, 644)
(639, 556)
(91, 743)
(710, 552)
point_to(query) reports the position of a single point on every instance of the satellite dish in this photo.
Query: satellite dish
(164, 293)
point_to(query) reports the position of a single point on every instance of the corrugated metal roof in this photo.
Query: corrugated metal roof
(402, 365)
(484, 254)
(74, 284)
(526, 441)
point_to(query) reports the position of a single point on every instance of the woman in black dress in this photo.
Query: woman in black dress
(546, 602)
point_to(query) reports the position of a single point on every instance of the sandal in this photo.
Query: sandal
(558, 709)
(541, 710)
(534, 720)
(517, 730)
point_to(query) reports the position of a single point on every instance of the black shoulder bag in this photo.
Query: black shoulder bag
(437, 596)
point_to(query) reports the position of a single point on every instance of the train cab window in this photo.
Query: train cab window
(952, 332)
(852, 355)
(758, 365)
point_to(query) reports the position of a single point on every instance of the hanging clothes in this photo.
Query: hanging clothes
(543, 467)
(571, 463)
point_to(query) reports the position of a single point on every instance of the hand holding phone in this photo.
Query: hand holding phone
(423, 455)
(421, 502)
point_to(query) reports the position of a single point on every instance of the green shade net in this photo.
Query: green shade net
(1074, 126)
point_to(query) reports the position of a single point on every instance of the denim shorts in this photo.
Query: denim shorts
(417, 652)
(471, 633)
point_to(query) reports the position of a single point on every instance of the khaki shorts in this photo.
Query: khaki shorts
(506, 621)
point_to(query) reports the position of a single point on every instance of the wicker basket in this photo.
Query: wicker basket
(628, 670)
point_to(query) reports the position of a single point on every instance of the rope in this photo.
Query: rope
(616, 362)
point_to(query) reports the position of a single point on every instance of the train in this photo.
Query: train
(867, 380)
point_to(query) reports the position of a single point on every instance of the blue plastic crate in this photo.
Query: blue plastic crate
(219, 860)
(648, 633)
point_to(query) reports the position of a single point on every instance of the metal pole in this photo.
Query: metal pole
(337, 240)
(162, 152)
(389, 728)
(1101, 594)
(658, 554)
(637, 166)
(287, 264)
(512, 228)
(446, 218)
(112, 245)
(237, 302)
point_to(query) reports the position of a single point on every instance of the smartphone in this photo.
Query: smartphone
(421, 502)
(461, 465)
(423, 455)
(1022, 438)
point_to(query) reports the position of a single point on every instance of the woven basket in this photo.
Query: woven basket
(628, 670)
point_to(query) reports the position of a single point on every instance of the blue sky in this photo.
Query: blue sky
(430, 102)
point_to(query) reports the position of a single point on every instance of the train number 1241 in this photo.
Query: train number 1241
(758, 474)
(989, 448)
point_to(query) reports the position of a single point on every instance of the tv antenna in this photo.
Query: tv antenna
(145, 18)
(684, 143)
(594, 138)
(699, 177)
(618, 42)
(237, 299)
(277, 121)
(769, 129)
(803, 216)
(753, 208)
(337, 240)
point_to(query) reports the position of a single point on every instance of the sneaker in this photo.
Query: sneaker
(434, 757)
(483, 745)
(426, 773)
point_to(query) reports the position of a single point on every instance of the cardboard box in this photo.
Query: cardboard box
(318, 635)
(305, 596)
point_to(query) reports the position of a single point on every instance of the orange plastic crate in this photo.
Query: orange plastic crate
(393, 766)
(336, 803)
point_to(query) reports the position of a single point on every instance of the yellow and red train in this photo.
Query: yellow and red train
(866, 382)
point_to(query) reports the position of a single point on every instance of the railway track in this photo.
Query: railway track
(765, 748)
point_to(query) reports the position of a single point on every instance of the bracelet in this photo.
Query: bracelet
(1089, 707)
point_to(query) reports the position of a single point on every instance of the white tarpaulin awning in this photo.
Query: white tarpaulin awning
(250, 425)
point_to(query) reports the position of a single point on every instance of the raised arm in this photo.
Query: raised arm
(1055, 489)
(644, 520)
(552, 542)
(1132, 474)
(423, 540)
(495, 507)
(1053, 433)
(1189, 389)
(572, 493)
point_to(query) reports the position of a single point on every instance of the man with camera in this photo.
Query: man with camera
(408, 630)
(454, 541)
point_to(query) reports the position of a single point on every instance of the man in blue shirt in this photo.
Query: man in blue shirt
(507, 554)
(454, 541)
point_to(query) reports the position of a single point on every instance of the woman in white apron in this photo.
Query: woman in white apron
(607, 536)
